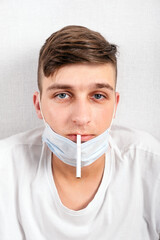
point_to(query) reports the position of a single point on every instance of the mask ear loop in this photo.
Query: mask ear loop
(114, 111)
(45, 123)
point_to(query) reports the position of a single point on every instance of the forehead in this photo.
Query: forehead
(82, 75)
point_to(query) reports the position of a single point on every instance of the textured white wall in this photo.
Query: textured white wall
(133, 25)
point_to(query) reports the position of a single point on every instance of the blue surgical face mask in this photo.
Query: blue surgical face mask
(66, 150)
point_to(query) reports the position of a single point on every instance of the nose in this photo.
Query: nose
(81, 113)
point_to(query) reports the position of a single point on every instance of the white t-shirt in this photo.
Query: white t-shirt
(125, 207)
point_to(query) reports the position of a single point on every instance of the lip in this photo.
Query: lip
(84, 137)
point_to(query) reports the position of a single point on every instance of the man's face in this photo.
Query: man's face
(79, 99)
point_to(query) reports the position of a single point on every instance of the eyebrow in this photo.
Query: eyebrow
(66, 86)
(104, 85)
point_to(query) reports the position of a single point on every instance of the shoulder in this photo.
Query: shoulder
(19, 159)
(30, 137)
(139, 150)
(21, 149)
(130, 138)
(19, 162)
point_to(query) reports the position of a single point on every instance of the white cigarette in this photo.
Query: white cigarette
(78, 166)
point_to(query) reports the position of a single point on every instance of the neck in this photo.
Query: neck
(77, 193)
(64, 170)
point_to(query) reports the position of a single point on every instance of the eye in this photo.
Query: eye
(98, 96)
(62, 95)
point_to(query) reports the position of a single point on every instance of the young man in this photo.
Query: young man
(76, 179)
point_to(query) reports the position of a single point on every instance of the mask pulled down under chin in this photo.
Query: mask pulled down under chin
(66, 150)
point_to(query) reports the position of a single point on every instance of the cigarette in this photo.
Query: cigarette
(78, 166)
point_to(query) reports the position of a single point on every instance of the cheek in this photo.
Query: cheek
(57, 118)
(104, 118)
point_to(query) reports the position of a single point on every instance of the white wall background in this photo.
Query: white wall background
(134, 25)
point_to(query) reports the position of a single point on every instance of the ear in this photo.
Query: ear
(117, 97)
(36, 99)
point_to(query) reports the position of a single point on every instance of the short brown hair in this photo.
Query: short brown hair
(71, 45)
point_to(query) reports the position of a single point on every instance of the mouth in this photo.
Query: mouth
(84, 137)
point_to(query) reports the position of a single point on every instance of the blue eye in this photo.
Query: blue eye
(98, 96)
(62, 95)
